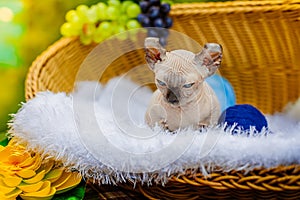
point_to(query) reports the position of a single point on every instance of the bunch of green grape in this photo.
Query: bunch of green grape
(100, 21)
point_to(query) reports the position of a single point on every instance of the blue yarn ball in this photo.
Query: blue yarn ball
(244, 115)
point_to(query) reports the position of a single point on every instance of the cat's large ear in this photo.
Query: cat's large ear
(210, 58)
(154, 51)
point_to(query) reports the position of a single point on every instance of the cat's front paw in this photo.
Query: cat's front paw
(202, 125)
(163, 123)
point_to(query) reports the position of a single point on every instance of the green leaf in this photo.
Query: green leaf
(3, 139)
(74, 194)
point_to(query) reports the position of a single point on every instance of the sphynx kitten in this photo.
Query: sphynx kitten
(183, 98)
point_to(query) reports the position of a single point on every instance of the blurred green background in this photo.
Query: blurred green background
(27, 27)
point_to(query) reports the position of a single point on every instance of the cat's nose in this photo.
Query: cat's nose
(172, 96)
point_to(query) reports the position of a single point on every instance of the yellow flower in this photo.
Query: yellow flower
(22, 173)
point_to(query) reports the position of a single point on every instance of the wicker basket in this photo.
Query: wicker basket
(261, 41)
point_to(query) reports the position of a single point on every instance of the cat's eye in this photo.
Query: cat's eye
(160, 83)
(188, 85)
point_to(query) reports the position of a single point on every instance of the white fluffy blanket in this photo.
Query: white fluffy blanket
(100, 131)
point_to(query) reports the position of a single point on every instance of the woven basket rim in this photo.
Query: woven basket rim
(41, 60)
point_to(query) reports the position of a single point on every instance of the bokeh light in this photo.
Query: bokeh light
(6, 14)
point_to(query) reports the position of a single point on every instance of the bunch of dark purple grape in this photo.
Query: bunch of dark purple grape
(155, 18)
